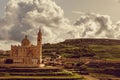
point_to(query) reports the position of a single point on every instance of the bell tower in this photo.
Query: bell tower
(39, 38)
(39, 45)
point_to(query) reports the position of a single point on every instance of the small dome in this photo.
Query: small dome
(25, 41)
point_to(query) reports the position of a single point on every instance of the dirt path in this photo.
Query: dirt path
(89, 77)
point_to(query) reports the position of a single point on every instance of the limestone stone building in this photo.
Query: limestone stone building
(27, 53)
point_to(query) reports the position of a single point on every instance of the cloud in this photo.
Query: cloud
(117, 30)
(26, 16)
(95, 26)
(6, 44)
(77, 12)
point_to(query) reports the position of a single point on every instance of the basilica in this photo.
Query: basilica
(27, 53)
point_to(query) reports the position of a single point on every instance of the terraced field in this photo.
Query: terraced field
(37, 74)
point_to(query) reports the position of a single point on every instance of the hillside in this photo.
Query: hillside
(106, 49)
(98, 58)
(75, 48)
(89, 41)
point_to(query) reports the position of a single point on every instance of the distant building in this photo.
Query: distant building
(26, 53)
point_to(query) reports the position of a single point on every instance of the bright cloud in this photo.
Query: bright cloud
(27, 16)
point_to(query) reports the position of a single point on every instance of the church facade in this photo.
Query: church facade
(26, 53)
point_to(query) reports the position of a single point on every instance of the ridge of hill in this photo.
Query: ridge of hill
(87, 41)
(86, 47)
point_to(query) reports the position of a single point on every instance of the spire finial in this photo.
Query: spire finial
(26, 36)
(39, 30)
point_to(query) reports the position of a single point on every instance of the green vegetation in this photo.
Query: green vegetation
(106, 52)
(55, 74)
(103, 52)
(42, 77)
(99, 51)
(67, 51)
(101, 75)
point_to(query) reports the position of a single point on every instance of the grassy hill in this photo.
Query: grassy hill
(76, 48)
(109, 52)
(107, 49)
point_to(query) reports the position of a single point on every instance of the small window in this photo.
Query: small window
(34, 61)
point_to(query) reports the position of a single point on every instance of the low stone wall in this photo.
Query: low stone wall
(21, 65)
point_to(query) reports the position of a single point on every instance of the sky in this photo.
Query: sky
(58, 19)
(105, 7)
